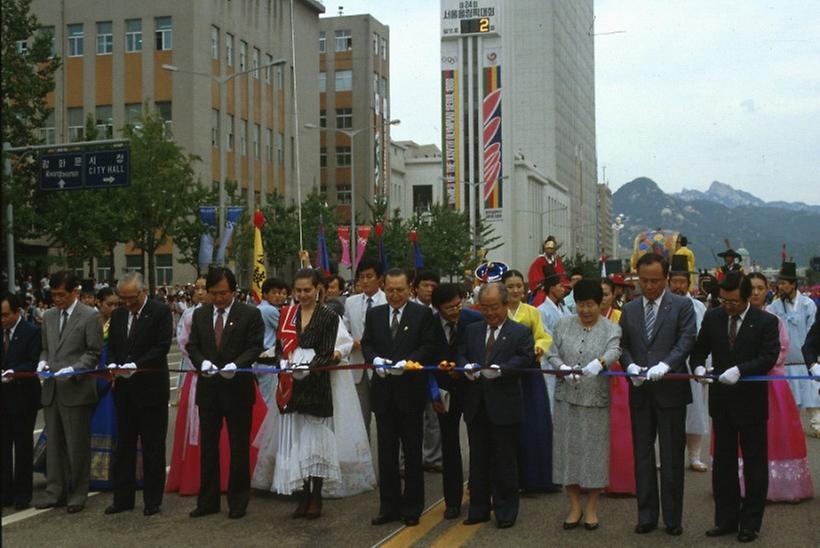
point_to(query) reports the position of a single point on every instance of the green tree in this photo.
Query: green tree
(280, 233)
(588, 267)
(444, 240)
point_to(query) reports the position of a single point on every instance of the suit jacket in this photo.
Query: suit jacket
(22, 395)
(755, 352)
(672, 339)
(79, 346)
(414, 341)
(455, 385)
(148, 348)
(502, 397)
(811, 347)
(241, 344)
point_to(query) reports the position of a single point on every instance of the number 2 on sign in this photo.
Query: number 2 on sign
(484, 24)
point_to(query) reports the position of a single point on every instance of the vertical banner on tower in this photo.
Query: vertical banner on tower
(449, 120)
(491, 134)
(377, 157)
(362, 235)
(232, 217)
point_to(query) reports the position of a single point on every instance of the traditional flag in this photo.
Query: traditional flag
(288, 338)
(362, 235)
(206, 242)
(322, 256)
(418, 260)
(344, 241)
(260, 273)
(382, 254)
(230, 222)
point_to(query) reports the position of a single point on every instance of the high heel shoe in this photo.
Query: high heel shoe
(573, 524)
(301, 510)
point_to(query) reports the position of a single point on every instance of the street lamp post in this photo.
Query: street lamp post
(222, 81)
(351, 134)
(617, 225)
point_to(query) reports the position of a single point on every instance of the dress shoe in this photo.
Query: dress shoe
(199, 512)
(573, 524)
(591, 526)
(411, 522)
(643, 528)
(746, 535)
(452, 512)
(506, 524)
(474, 521)
(674, 530)
(150, 510)
(381, 519)
(21, 505)
(698, 466)
(46, 505)
(720, 531)
(114, 509)
(236, 514)
(74, 508)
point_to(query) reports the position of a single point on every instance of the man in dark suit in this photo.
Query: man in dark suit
(139, 338)
(743, 341)
(493, 405)
(21, 399)
(226, 335)
(72, 343)
(658, 332)
(450, 325)
(394, 333)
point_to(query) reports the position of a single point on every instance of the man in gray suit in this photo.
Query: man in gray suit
(72, 342)
(658, 333)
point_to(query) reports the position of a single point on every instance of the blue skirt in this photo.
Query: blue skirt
(535, 438)
(103, 437)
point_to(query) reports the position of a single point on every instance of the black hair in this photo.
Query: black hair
(395, 273)
(426, 276)
(684, 241)
(650, 259)
(336, 277)
(444, 293)
(736, 280)
(512, 273)
(274, 283)
(104, 293)
(576, 272)
(609, 284)
(14, 301)
(65, 279)
(369, 264)
(588, 289)
(759, 276)
(308, 274)
(217, 274)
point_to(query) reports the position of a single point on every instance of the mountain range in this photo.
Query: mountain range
(722, 212)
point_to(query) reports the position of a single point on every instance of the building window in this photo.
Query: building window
(323, 157)
(21, 46)
(269, 145)
(230, 131)
(255, 62)
(384, 49)
(243, 137)
(162, 33)
(104, 122)
(133, 111)
(344, 118)
(243, 55)
(383, 88)
(280, 78)
(343, 194)
(49, 31)
(214, 42)
(229, 49)
(280, 149)
(105, 40)
(76, 124)
(322, 81)
(214, 128)
(104, 267)
(422, 197)
(47, 133)
(268, 67)
(133, 263)
(344, 40)
(375, 44)
(344, 80)
(75, 40)
(342, 156)
(322, 118)
(133, 35)
(164, 111)
(376, 89)
(256, 134)
(322, 42)
(165, 268)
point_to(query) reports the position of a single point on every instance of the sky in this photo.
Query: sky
(690, 92)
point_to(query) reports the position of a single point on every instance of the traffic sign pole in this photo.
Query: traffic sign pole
(9, 223)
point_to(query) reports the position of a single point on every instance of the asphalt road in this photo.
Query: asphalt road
(346, 522)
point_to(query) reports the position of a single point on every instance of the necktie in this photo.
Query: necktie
(6, 340)
(394, 323)
(369, 304)
(451, 333)
(63, 321)
(733, 331)
(650, 318)
(489, 346)
(132, 323)
(219, 326)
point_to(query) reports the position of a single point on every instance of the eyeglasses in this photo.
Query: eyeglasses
(730, 302)
(452, 307)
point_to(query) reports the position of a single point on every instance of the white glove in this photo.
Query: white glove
(7, 375)
(283, 364)
(300, 371)
(228, 370)
(131, 367)
(656, 372)
(730, 376)
(569, 377)
(208, 368)
(112, 366)
(380, 369)
(700, 371)
(469, 369)
(592, 368)
(42, 369)
(269, 353)
(397, 368)
(65, 372)
(634, 369)
(815, 371)
(492, 372)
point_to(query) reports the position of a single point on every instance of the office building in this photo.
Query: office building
(415, 176)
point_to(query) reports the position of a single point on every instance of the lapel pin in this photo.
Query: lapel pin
(405, 328)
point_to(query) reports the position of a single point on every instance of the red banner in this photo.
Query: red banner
(344, 241)
(362, 235)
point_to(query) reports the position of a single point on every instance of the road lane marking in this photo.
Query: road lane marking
(406, 536)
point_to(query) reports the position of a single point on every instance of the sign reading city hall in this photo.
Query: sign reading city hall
(85, 169)
(464, 17)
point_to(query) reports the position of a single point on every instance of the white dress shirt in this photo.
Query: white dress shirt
(225, 314)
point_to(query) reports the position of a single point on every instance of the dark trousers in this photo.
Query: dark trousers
(68, 452)
(239, 435)
(731, 511)
(493, 468)
(668, 424)
(151, 425)
(452, 477)
(393, 428)
(16, 440)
